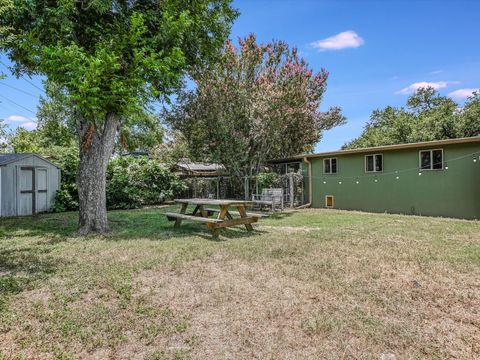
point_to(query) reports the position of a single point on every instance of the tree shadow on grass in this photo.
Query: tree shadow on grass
(54, 227)
(21, 266)
(148, 223)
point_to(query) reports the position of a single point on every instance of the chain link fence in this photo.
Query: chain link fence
(228, 187)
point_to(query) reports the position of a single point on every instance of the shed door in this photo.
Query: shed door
(41, 190)
(26, 200)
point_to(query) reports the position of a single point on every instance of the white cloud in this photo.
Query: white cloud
(423, 84)
(436, 72)
(343, 40)
(29, 125)
(463, 93)
(23, 121)
(15, 118)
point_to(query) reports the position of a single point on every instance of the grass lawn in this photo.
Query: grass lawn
(306, 284)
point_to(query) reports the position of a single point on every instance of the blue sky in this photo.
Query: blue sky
(375, 51)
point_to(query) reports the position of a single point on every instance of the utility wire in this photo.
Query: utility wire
(19, 105)
(18, 89)
(24, 78)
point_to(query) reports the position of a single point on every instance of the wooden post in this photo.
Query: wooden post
(218, 188)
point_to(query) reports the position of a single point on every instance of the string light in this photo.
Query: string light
(475, 157)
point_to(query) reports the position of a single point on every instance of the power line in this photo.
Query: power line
(24, 78)
(18, 89)
(19, 105)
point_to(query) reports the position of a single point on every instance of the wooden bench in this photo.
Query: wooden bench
(213, 210)
(174, 216)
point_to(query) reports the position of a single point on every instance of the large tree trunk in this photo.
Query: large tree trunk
(96, 147)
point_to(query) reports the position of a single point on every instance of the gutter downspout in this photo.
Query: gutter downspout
(305, 159)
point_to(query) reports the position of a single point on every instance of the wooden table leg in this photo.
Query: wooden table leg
(221, 215)
(202, 211)
(243, 214)
(195, 210)
(183, 210)
(223, 212)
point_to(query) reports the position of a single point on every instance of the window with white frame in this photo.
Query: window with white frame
(431, 159)
(330, 166)
(374, 163)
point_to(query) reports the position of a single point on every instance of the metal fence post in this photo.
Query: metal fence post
(292, 191)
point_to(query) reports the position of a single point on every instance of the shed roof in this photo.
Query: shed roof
(200, 166)
(422, 144)
(6, 159)
(199, 169)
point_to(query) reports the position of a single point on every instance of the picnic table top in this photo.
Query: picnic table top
(213, 202)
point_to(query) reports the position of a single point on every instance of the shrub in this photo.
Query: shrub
(66, 198)
(131, 183)
(268, 179)
(134, 182)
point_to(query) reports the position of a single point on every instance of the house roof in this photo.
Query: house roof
(6, 159)
(422, 144)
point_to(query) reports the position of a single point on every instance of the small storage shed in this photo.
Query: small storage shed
(28, 184)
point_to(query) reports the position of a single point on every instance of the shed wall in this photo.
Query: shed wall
(10, 189)
(449, 193)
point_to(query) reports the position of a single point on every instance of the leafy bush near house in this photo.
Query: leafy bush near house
(131, 183)
(268, 179)
(67, 197)
(134, 182)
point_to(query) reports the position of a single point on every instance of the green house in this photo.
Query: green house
(435, 178)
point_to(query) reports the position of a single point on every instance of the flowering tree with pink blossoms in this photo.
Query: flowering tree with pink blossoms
(260, 102)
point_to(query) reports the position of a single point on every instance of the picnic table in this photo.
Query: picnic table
(225, 218)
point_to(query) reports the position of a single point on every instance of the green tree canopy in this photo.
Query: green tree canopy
(261, 101)
(111, 58)
(427, 116)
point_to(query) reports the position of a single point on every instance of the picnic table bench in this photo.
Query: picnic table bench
(224, 218)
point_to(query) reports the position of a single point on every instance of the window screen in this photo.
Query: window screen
(333, 165)
(378, 162)
(370, 161)
(431, 159)
(374, 163)
(330, 166)
(425, 160)
(437, 156)
(326, 166)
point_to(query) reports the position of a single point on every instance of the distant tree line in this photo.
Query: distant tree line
(427, 116)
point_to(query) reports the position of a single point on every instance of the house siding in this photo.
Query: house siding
(449, 193)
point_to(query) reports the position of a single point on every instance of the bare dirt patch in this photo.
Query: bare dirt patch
(243, 311)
